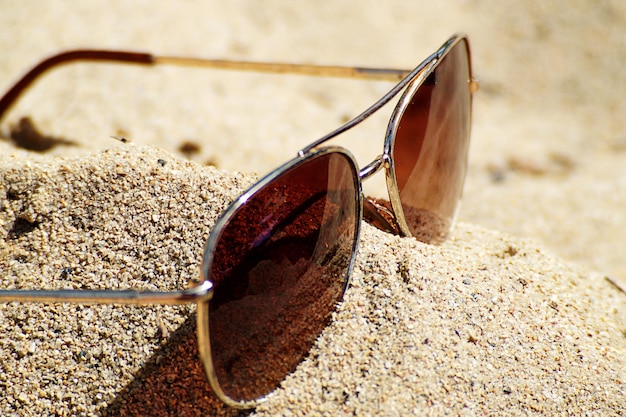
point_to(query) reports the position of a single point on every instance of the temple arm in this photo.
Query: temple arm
(140, 58)
(202, 292)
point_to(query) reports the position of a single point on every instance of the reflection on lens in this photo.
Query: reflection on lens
(431, 146)
(281, 265)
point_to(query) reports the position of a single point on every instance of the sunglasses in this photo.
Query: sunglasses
(278, 260)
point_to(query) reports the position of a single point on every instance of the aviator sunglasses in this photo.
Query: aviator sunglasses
(279, 259)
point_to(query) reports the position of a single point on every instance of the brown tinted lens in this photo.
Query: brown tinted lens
(280, 267)
(431, 145)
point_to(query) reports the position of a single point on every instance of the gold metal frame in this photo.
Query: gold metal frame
(202, 293)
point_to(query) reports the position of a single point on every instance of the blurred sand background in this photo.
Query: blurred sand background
(549, 134)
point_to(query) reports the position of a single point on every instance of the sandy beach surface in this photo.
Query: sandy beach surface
(521, 311)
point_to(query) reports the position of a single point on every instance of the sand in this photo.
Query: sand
(485, 323)
(515, 314)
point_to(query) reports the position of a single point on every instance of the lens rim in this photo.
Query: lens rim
(204, 341)
(396, 117)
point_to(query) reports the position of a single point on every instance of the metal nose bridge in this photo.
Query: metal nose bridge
(374, 166)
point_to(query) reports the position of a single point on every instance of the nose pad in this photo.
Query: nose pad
(378, 213)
